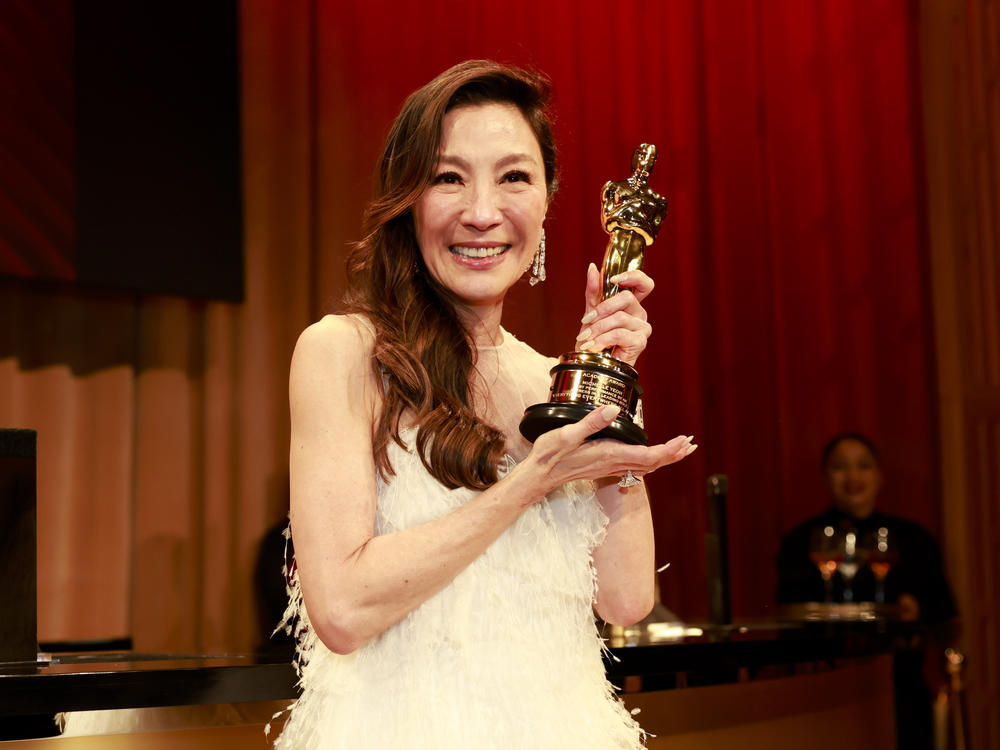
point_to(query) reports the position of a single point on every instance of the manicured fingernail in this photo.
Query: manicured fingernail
(589, 317)
(587, 345)
(584, 335)
(691, 449)
(610, 411)
(619, 278)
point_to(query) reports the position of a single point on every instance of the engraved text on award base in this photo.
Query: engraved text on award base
(590, 387)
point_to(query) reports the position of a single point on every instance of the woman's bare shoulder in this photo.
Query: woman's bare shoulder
(341, 336)
(333, 359)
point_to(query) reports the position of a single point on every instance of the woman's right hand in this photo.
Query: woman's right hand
(564, 455)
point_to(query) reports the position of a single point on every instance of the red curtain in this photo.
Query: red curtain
(791, 296)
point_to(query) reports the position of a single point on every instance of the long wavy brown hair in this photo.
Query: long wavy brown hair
(423, 357)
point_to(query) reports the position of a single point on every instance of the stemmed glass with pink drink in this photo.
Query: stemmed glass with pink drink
(826, 550)
(882, 555)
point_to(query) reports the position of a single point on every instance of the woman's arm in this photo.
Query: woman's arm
(355, 584)
(624, 561)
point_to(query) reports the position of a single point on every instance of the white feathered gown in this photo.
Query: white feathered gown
(507, 656)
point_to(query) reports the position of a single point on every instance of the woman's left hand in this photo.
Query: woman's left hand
(619, 322)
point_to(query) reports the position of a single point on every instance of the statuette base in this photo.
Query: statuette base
(582, 382)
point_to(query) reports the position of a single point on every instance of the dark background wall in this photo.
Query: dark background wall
(122, 135)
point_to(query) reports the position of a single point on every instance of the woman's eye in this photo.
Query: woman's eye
(516, 176)
(447, 178)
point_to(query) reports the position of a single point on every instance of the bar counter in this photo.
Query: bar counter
(747, 686)
(88, 681)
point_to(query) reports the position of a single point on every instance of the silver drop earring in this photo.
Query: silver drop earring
(538, 263)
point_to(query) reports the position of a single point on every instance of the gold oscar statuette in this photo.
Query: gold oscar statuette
(584, 381)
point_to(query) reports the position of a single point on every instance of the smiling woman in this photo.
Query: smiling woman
(416, 335)
(853, 474)
(447, 571)
(480, 222)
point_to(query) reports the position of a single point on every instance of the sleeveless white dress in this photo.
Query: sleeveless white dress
(507, 656)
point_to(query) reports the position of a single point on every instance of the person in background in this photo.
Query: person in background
(897, 562)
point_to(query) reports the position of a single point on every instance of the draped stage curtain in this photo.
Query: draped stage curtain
(791, 296)
(163, 425)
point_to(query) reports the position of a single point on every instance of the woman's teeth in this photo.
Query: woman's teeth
(478, 252)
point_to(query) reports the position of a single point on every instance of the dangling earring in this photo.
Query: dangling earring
(538, 263)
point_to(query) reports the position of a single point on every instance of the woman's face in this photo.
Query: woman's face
(854, 478)
(479, 223)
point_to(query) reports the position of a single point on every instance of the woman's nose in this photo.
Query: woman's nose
(483, 209)
(854, 474)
